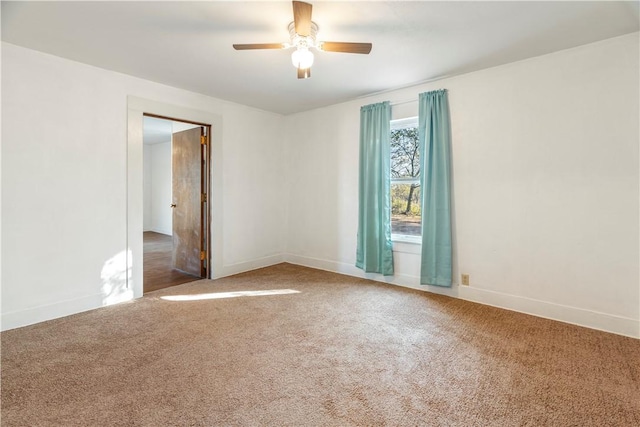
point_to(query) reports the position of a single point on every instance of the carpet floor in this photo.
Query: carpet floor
(341, 351)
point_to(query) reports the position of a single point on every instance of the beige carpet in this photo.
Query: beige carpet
(342, 352)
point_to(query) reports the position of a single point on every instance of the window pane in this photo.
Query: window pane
(405, 209)
(405, 157)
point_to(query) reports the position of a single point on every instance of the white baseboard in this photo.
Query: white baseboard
(18, 319)
(30, 316)
(563, 313)
(577, 316)
(404, 280)
(254, 264)
(159, 231)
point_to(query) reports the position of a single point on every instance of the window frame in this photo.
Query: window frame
(396, 124)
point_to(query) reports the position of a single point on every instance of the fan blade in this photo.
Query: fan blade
(302, 17)
(304, 73)
(345, 47)
(259, 46)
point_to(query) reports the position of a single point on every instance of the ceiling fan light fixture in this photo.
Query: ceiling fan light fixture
(303, 33)
(302, 58)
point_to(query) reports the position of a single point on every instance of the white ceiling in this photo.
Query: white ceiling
(188, 44)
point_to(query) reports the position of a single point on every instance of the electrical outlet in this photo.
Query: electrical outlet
(465, 279)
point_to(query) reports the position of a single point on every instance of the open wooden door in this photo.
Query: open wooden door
(189, 169)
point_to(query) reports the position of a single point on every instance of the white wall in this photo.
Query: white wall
(254, 187)
(545, 176)
(161, 188)
(64, 195)
(180, 126)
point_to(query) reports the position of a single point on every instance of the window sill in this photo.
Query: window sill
(406, 244)
(402, 238)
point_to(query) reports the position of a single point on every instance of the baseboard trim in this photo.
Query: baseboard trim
(562, 313)
(165, 232)
(573, 315)
(404, 280)
(30, 316)
(42, 313)
(254, 264)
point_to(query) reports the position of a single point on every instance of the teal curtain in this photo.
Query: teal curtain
(374, 253)
(434, 132)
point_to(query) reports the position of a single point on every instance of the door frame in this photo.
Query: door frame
(136, 108)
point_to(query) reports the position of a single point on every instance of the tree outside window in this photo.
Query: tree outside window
(405, 178)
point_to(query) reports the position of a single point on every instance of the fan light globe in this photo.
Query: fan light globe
(302, 58)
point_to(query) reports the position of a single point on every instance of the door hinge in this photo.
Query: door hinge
(203, 140)
(203, 255)
(203, 197)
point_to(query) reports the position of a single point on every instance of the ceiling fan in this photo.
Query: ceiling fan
(302, 32)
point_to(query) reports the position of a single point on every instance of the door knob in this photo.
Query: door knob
(173, 205)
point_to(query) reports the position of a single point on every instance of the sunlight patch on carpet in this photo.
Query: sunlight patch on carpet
(220, 295)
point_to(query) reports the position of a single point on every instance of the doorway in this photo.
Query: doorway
(176, 214)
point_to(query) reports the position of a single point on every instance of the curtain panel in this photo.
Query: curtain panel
(434, 132)
(374, 252)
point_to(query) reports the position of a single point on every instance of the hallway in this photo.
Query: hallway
(158, 273)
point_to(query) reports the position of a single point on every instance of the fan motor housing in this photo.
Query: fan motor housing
(303, 41)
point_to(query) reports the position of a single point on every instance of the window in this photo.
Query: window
(405, 179)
